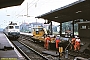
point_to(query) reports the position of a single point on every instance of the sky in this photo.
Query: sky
(32, 8)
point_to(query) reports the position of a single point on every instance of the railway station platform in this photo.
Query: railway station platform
(29, 34)
(7, 49)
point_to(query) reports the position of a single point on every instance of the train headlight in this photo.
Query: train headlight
(18, 32)
(9, 33)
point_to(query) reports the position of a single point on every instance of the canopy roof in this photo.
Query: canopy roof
(8, 3)
(77, 10)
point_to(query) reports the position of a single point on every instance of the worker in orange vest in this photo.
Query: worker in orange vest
(72, 43)
(57, 42)
(47, 40)
(77, 44)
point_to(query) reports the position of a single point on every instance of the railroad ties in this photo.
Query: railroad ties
(37, 47)
(28, 53)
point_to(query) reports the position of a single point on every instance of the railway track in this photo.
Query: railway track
(27, 52)
(39, 47)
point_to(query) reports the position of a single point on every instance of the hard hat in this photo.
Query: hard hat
(76, 37)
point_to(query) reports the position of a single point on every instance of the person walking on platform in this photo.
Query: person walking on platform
(47, 40)
(57, 42)
(72, 43)
(77, 44)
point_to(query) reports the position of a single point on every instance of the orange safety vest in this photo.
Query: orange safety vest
(47, 39)
(57, 42)
(73, 41)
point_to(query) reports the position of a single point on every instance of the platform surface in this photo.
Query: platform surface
(11, 54)
(30, 34)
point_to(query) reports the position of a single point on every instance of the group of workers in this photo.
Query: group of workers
(48, 40)
(75, 44)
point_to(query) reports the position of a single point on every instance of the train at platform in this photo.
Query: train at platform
(12, 30)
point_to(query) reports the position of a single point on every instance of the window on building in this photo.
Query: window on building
(88, 27)
(11, 27)
(83, 27)
(17, 27)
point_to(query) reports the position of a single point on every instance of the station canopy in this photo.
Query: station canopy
(8, 3)
(77, 10)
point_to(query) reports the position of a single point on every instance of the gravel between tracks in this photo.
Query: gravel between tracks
(37, 47)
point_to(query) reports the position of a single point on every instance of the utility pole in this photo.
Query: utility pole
(27, 9)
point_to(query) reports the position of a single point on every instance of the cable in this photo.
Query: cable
(24, 8)
(31, 5)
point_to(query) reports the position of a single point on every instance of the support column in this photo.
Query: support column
(51, 32)
(60, 29)
(73, 28)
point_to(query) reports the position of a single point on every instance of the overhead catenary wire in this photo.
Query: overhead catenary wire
(25, 7)
(33, 5)
(22, 9)
(30, 5)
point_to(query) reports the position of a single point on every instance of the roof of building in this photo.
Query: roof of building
(77, 10)
(9, 3)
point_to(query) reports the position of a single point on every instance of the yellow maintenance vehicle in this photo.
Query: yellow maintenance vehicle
(39, 34)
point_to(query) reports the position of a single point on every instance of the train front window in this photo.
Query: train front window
(11, 27)
(16, 27)
(38, 29)
(41, 29)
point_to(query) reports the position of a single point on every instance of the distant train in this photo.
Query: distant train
(12, 30)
